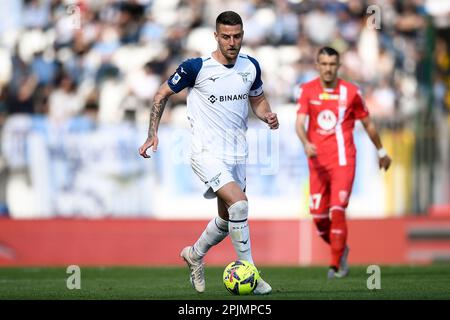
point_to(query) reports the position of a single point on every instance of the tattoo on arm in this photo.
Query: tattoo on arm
(155, 116)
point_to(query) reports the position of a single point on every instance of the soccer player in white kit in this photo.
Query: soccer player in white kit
(220, 87)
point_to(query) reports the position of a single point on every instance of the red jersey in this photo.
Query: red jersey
(332, 114)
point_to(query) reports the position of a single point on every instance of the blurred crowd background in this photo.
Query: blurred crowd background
(68, 66)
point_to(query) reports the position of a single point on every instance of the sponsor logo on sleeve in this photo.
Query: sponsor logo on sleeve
(176, 77)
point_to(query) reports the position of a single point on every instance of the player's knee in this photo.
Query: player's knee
(238, 210)
(322, 224)
(337, 214)
(224, 215)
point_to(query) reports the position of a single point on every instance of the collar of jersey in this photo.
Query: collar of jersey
(228, 66)
(330, 90)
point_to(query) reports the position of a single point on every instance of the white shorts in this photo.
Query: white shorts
(216, 173)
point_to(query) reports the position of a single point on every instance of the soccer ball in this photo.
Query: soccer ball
(240, 277)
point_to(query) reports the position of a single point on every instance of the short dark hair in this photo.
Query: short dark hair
(327, 51)
(229, 18)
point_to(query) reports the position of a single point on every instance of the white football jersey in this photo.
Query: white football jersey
(217, 103)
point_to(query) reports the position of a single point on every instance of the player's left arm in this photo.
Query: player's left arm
(383, 158)
(261, 108)
(260, 105)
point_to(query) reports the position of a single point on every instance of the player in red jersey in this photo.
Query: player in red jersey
(333, 105)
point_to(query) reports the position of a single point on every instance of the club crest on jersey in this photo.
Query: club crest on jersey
(176, 78)
(343, 195)
(244, 76)
(326, 120)
(215, 181)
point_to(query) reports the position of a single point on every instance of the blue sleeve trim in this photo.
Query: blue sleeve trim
(258, 82)
(185, 75)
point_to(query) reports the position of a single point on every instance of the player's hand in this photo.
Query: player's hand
(272, 120)
(310, 150)
(150, 142)
(384, 162)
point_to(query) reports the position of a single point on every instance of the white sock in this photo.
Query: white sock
(215, 231)
(239, 230)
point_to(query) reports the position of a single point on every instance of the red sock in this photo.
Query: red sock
(338, 236)
(323, 224)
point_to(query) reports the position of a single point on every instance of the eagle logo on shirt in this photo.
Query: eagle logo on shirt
(215, 181)
(244, 76)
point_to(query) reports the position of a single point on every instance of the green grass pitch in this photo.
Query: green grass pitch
(171, 283)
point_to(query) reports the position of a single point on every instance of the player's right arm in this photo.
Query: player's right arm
(302, 113)
(183, 77)
(156, 111)
(310, 149)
